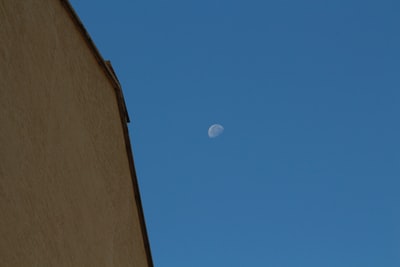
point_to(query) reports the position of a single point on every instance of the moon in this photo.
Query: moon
(215, 130)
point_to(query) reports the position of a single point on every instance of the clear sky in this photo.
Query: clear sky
(307, 170)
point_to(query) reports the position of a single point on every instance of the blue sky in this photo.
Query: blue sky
(307, 170)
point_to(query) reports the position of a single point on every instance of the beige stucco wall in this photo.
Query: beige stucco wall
(66, 196)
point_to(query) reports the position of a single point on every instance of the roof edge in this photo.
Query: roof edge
(88, 40)
(109, 72)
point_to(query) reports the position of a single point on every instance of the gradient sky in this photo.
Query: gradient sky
(307, 171)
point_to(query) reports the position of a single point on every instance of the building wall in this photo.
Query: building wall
(66, 192)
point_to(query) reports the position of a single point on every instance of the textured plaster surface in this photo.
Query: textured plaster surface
(66, 196)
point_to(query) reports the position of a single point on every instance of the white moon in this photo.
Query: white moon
(215, 130)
